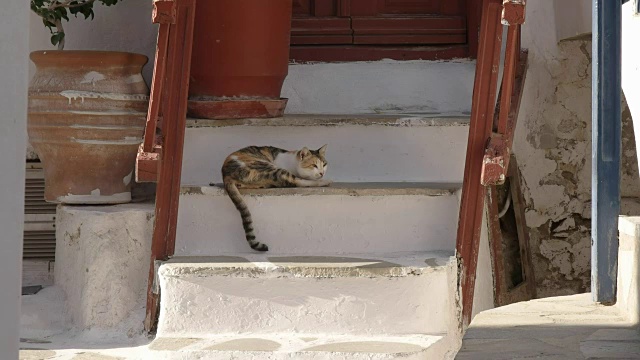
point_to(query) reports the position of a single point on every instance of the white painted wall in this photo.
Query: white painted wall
(13, 135)
(573, 18)
(631, 63)
(124, 27)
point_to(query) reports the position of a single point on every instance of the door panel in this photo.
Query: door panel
(317, 22)
(379, 22)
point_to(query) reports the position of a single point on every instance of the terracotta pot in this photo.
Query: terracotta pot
(240, 55)
(87, 112)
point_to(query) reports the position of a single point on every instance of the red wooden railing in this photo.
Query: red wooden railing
(160, 156)
(490, 132)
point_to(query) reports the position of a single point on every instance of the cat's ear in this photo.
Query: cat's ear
(322, 150)
(303, 153)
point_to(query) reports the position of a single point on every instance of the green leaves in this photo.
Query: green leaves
(57, 38)
(53, 12)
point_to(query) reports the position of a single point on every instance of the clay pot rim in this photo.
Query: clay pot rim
(75, 58)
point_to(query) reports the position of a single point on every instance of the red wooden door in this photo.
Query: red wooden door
(383, 22)
(351, 30)
(414, 22)
(320, 22)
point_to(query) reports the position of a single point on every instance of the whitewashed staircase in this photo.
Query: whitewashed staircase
(363, 269)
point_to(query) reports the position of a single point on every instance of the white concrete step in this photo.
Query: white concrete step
(361, 148)
(296, 347)
(385, 86)
(340, 219)
(396, 294)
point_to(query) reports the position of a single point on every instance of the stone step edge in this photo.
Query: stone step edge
(350, 189)
(296, 120)
(304, 266)
(297, 343)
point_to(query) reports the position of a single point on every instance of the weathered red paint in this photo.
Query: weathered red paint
(164, 12)
(237, 109)
(496, 159)
(495, 162)
(482, 110)
(513, 12)
(173, 110)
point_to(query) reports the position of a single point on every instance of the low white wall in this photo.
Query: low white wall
(102, 264)
(13, 134)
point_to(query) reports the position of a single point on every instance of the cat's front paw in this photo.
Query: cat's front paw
(324, 182)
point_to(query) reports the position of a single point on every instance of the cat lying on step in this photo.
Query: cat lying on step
(257, 167)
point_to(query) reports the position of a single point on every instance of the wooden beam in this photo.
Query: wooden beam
(176, 86)
(495, 163)
(480, 128)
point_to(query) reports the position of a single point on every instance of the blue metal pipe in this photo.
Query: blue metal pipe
(605, 176)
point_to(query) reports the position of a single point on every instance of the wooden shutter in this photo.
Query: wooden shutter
(320, 22)
(409, 22)
(39, 219)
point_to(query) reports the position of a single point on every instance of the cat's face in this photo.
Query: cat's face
(311, 163)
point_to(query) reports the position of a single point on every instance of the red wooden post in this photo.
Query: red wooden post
(495, 164)
(174, 113)
(482, 110)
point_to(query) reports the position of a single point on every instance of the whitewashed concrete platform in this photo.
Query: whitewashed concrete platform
(361, 148)
(559, 328)
(108, 346)
(287, 347)
(343, 218)
(400, 294)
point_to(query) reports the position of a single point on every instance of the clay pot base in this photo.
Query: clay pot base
(236, 109)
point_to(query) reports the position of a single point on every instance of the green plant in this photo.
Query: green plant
(53, 12)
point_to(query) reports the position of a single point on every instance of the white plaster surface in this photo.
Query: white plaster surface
(380, 87)
(43, 314)
(102, 263)
(566, 327)
(13, 135)
(113, 346)
(390, 295)
(628, 296)
(209, 224)
(406, 151)
(631, 64)
(553, 147)
(572, 18)
(336, 347)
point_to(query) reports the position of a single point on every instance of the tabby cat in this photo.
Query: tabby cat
(256, 167)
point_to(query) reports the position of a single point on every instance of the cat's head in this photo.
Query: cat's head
(312, 164)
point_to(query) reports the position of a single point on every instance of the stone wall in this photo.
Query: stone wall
(553, 147)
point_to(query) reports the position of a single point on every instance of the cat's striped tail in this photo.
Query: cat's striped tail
(247, 222)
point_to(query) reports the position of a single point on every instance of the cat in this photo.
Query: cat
(258, 167)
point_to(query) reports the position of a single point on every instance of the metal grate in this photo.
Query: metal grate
(39, 220)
